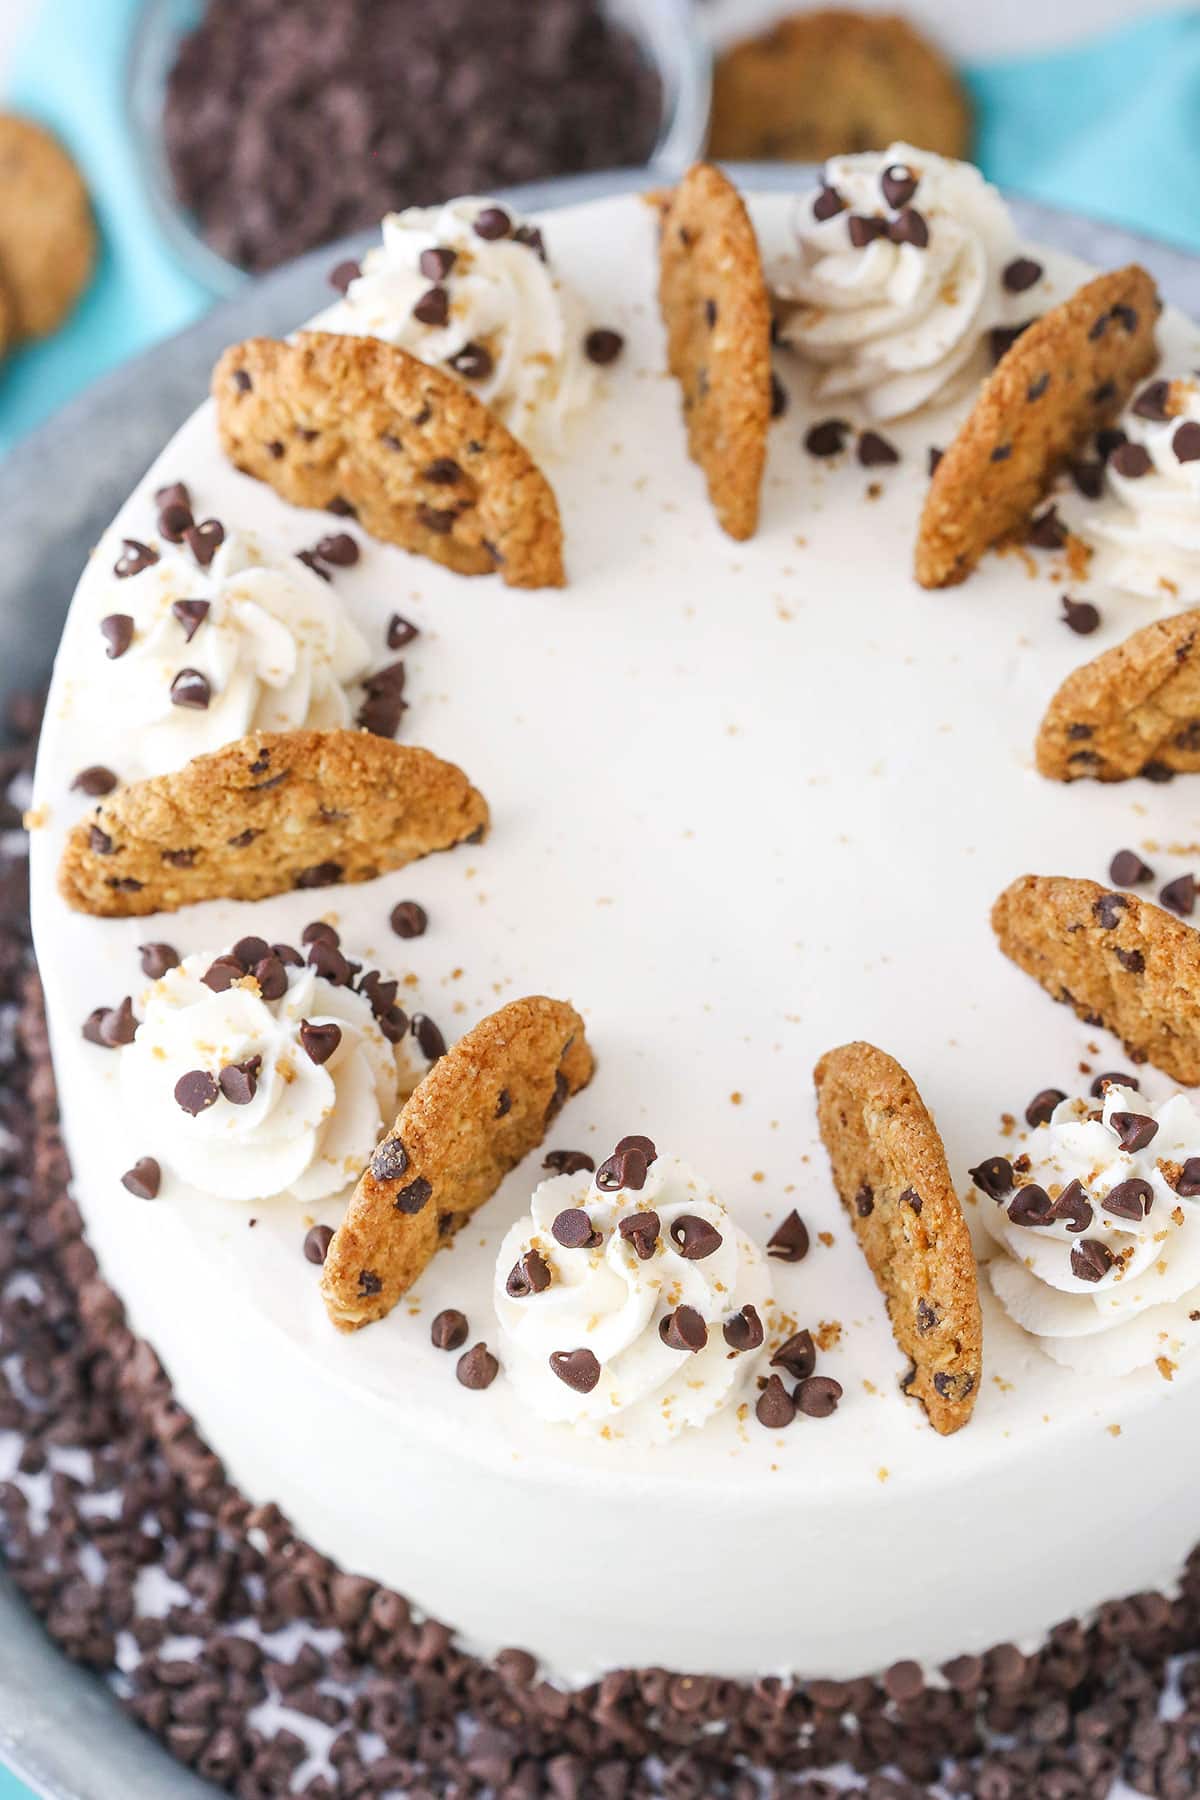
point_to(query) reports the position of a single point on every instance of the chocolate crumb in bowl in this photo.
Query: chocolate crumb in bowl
(285, 128)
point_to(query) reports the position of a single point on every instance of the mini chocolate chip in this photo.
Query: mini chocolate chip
(191, 614)
(1040, 1108)
(1132, 461)
(196, 1091)
(428, 1036)
(1031, 1206)
(775, 1407)
(433, 307)
(412, 1198)
(1021, 274)
(1128, 870)
(191, 688)
(157, 959)
(175, 520)
(250, 950)
(602, 346)
(1132, 961)
(316, 1243)
(1047, 531)
(271, 977)
(864, 1201)
(117, 1026)
(744, 1331)
(1114, 1078)
(1088, 478)
(390, 1160)
(899, 184)
(828, 438)
(568, 1162)
(1153, 402)
(477, 1368)
(239, 1081)
(530, 1274)
(436, 263)
(994, 1177)
(641, 1229)
(827, 204)
(408, 919)
(694, 1238)
(1186, 441)
(789, 1241)
(342, 274)
(117, 631)
(133, 559)
(1180, 895)
(779, 397)
(221, 974)
(1074, 1207)
(573, 1229)
(340, 549)
(1090, 1259)
(683, 1329)
(288, 955)
(798, 1355)
(319, 1041)
(1134, 1130)
(863, 229)
(909, 227)
(818, 1396)
(579, 1369)
(875, 452)
(449, 1329)
(623, 1169)
(400, 631)
(491, 223)
(1188, 1185)
(1001, 338)
(1107, 910)
(933, 458)
(94, 781)
(144, 1179)
(1080, 615)
(369, 1284)
(473, 362)
(1130, 1199)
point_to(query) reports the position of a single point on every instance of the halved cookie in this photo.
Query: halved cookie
(713, 296)
(1135, 708)
(273, 811)
(482, 1107)
(1120, 962)
(47, 233)
(1071, 371)
(354, 424)
(890, 1169)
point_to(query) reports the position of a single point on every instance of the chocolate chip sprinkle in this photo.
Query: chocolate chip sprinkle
(1180, 895)
(492, 223)
(1186, 441)
(789, 1241)
(319, 1041)
(95, 781)
(818, 1395)
(191, 688)
(568, 1162)
(1112, 1078)
(694, 1238)
(204, 540)
(898, 183)
(1128, 870)
(342, 274)
(623, 1169)
(316, 1243)
(579, 1369)
(827, 204)
(433, 307)
(1080, 616)
(191, 614)
(196, 1091)
(1074, 1207)
(477, 1368)
(1134, 1130)
(603, 346)
(909, 227)
(449, 1329)
(530, 1274)
(683, 1329)
(133, 559)
(641, 1229)
(1130, 1199)
(239, 1081)
(436, 263)
(573, 1229)
(1188, 1184)
(797, 1355)
(473, 362)
(156, 959)
(408, 919)
(1031, 1206)
(993, 1177)
(1042, 1106)
(144, 1179)
(1132, 461)
(429, 1038)
(744, 1330)
(1021, 274)
(863, 229)
(117, 631)
(1090, 1259)
(775, 1407)
(400, 631)
(1047, 531)
(874, 450)
(827, 438)
(1153, 402)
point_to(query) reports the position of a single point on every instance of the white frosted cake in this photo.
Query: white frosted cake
(749, 801)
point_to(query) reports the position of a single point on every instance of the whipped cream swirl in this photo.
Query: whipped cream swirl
(581, 1322)
(270, 642)
(907, 261)
(1101, 1222)
(1145, 528)
(246, 1097)
(468, 286)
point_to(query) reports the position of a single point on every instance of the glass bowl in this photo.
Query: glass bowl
(664, 29)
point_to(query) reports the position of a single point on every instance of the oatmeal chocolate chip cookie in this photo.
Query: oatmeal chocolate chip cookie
(714, 302)
(483, 1106)
(354, 424)
(890, 1169)
(47, 237)
(1071, 371)
(819, 84)
(273, 811)
(1118, 961)
(1132, 710)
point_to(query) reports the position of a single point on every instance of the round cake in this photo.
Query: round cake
(481, 1206)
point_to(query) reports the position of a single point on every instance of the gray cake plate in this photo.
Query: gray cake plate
(59, 1727)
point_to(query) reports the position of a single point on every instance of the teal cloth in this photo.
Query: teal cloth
(1111, 128)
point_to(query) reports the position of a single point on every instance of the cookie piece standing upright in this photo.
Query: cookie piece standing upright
(713, 296)
(47, 235)
(273, 811)
(1134, 708)
(1070, 372)
(889, 1167)
(1118, 961)
(329, 420)
(820, 84)
(483, 1106)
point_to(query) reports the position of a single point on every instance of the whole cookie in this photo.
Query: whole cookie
(820, 84)
(47, 237)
